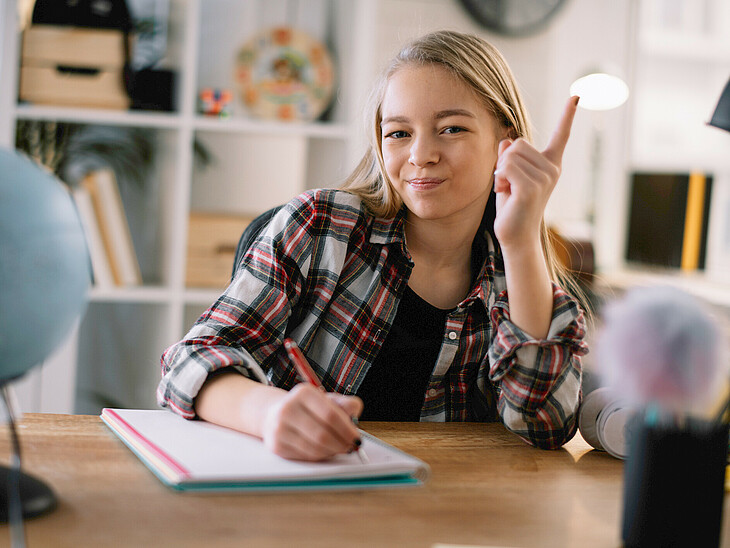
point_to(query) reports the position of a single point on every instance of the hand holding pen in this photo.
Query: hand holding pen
(309, 376)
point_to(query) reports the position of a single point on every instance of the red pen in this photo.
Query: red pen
(308, 375)
(300, 362)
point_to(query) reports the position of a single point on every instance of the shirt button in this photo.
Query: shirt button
(432, 392)
(453, 335)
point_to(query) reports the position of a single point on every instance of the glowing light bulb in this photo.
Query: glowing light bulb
(600, 91)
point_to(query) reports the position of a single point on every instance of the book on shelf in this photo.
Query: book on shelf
(194, 455)
(113, 226)
(100, 266)
(669, 219)
(697, 213)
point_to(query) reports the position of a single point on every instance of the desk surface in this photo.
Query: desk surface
(487, 488)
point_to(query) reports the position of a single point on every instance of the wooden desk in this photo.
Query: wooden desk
(487, 488)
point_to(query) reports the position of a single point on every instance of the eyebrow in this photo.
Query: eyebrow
(439, 115)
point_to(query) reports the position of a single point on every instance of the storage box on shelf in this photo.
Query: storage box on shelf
(73, 66)
(212, 242)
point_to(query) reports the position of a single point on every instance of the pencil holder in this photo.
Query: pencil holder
(674, 485)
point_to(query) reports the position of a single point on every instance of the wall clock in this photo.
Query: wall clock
(513, 17)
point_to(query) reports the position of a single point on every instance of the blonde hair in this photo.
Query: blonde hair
(482, 67)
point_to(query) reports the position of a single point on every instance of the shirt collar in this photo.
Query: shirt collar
(485, 247)
(388, 231)
(485, 251)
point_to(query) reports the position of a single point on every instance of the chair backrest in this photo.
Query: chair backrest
(249, 235)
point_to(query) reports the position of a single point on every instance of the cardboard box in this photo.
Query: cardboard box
(73, 66)
(212, 242)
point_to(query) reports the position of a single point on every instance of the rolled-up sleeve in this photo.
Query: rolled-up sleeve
(186, 366)
(247, 323)
(539, 379)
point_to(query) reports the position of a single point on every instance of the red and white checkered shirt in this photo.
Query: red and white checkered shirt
(329, 275)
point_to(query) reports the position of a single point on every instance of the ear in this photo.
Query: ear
(508, 132)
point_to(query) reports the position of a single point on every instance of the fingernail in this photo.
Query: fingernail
(575, 100)
(358, 442)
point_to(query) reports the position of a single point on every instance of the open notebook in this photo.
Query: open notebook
(200, 456)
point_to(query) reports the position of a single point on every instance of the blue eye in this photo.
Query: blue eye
(454, 129)
(397, 134)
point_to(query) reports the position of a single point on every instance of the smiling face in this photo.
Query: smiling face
(439, 143)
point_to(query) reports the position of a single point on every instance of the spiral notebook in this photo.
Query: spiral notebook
(199, 456)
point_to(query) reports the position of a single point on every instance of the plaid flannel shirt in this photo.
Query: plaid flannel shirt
(329, 275)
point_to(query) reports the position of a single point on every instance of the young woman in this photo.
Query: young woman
(423, 289)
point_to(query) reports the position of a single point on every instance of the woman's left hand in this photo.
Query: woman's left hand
(524, 179)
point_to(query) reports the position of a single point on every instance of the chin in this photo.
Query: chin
(430, 213)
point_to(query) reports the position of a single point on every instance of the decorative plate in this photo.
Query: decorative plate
(285, 74)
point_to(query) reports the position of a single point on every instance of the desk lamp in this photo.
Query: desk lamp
(44, 278)
(721, 117)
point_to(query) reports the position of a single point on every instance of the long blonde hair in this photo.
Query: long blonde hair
(482, 67)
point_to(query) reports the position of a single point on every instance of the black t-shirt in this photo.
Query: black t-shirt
(395, 386)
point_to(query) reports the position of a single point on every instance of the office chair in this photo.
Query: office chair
(250, 234)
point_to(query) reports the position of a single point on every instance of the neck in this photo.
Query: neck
(442, 243)
(441, 253)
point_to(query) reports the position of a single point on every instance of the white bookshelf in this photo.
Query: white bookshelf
(119, 342)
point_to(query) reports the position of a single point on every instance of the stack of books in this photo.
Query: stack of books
(113, 259)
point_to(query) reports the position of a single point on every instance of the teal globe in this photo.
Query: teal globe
(45, 270)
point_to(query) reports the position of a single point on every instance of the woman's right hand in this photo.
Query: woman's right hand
(309, 424)
(304, 423)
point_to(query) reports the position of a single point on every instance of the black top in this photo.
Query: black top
(395, 386)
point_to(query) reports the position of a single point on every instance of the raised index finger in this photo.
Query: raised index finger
(556, 146)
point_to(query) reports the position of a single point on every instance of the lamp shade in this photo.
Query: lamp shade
(44, 264)
(600, 91)
(721, 117)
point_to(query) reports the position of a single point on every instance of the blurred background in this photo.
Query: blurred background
(174, 122)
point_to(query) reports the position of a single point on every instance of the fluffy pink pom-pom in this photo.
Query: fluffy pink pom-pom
(660, 346)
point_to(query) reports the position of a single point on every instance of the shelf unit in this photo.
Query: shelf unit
(257, 164)
(682, 61)
(696, 283)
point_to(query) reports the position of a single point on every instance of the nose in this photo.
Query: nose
(424, 151)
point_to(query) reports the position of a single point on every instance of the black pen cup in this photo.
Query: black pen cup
(674, 485)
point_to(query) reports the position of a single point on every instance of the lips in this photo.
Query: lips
(425, 183)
